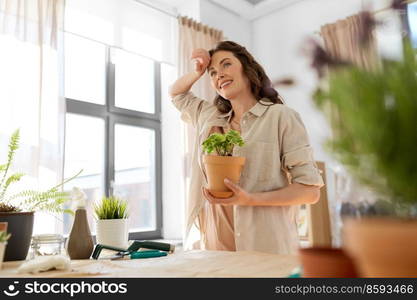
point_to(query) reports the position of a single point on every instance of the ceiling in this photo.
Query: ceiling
(254, 2)
(247, 9)
(253, 9)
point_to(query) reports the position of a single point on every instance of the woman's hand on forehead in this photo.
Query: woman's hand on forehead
(202, 58)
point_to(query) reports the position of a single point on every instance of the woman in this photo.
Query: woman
(261, 214)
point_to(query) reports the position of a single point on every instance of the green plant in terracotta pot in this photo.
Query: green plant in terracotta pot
(224, 164)
(18, 209)
(373, 117)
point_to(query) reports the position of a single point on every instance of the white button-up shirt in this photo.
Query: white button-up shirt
(277, 151)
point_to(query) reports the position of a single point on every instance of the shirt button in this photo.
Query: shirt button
(237, 233)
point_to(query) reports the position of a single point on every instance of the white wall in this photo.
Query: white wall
(278, 39)
(277, 44)
(190, 9)
(233, 26)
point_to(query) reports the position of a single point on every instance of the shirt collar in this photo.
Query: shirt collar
(227, 115)
(258, 110)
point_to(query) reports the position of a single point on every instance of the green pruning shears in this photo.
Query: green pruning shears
(140, 254)
(157, 249)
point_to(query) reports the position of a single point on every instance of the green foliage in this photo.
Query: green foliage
(374, 121)
(51, 200)
(111, 208)
(223, 144)
(4, 236)
(13, 146)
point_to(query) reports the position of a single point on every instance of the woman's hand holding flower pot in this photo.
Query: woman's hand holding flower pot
(240, 196)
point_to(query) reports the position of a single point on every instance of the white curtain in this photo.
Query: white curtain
(194, 35)
(31, 95)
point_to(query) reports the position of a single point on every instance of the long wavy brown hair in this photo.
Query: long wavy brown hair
(260, 84)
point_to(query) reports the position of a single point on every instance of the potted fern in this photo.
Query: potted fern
(224, 164)
(18, 209)
(112, 226)
(373, 116)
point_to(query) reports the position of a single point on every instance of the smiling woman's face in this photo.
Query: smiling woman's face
(226, 75)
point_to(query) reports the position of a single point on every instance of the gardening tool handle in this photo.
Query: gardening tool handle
(147, 254)
(136, 245)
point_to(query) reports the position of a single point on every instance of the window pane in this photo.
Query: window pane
(412, 21)
(302, 222)
(85, 69)
(84, 149)
(134, 83)
(135, 174)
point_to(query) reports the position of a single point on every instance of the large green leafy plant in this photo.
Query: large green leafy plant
(52, 200)
(223, 144)
(111, 208)
(374, 120)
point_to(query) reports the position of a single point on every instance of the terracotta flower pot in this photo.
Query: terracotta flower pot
(220, 167)
(326, 262)
(382, 247)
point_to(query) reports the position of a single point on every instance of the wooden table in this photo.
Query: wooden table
(182, 264)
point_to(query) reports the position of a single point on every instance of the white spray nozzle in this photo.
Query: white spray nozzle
(79, 197)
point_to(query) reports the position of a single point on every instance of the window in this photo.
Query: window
(113, 130)
(412, 22)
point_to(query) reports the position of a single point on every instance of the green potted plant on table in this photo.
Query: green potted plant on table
(373, 116)
(18, 209)
(223, 165)
(112, 225)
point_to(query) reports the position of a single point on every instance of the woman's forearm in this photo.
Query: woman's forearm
(184, 83)
(293, 194)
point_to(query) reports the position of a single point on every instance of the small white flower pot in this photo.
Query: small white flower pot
(2, 250)
(113, 232)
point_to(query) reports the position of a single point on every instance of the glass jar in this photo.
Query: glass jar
(47, 244)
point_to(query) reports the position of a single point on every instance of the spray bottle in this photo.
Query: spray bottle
(80, 242)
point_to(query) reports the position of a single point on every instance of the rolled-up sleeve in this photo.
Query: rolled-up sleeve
(190, 107)
(296, 152)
